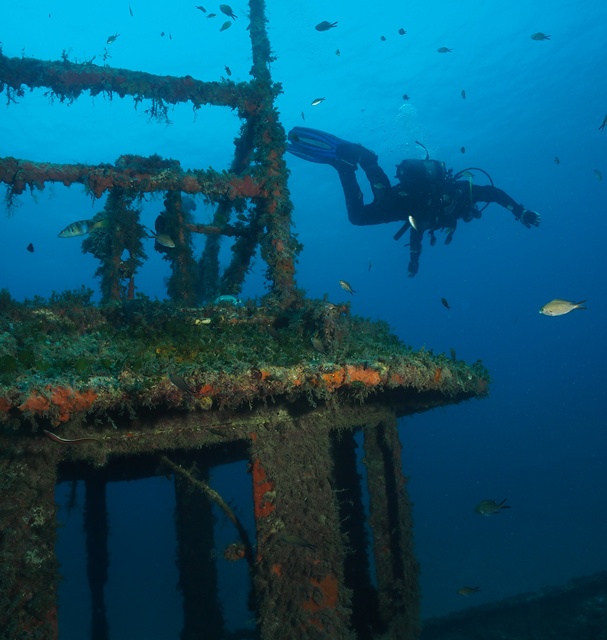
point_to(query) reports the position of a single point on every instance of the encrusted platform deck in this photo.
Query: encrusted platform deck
(142, 388)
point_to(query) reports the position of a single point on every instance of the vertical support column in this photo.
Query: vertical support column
(392, 526)
(96, 529)
(279, 247)
(299, 578)
(182, 284)
(28, 566)
(365, 618)
(202, 616)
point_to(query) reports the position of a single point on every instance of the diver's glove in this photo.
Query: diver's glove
(529, 218)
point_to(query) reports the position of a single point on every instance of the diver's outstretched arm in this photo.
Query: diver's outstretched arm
(489, 193)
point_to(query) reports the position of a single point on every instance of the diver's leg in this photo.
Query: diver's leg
(358, 212)
(415, 249)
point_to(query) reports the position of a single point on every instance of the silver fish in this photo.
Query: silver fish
(346, 287)
(560, 307)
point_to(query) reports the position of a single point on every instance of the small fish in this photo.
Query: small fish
(463, 149)
(162, 239)
(337, 52)
(200, 8)
(370, 265)
(467, 591)
(383, 38)
(604, 123)
(539, 36)
(303, 116)
(598, 174)
(81, 228)
(229, 300)
(228, 70)
(225, 8)
(490, 507)
(225, 25)
(557, 160)
(560, 307)
(55, 438)
(444, 50)
(130, 11)
(317, 101)
(318, 345)
(401, 32)
(453, 354)
(162, 34)
(463, 94)
(211, 15)
(412, 222)
(445, 303)
(346, 287)
(406, 96)
(30, 247)
(325, 25)
(112, 39)
(296, 541)
(181, 384)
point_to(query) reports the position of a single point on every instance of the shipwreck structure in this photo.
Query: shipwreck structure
(133, 389)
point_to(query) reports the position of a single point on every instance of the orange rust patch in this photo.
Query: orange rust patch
(36, 403)
(277, 569)
(438, 375)
(397, 378)
(261, 485)
(329, 587)
(5, 405)
(368, 377)
(70, 401)
(335, 379)
(206, 390)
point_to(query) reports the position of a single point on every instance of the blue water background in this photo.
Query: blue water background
(540, 439)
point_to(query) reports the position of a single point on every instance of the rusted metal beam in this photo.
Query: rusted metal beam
(131, 173)
(67, 80)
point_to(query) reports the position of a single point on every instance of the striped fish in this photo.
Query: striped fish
(81, 228)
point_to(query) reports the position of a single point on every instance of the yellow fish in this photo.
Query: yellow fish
(560, 307)
(467, 591)
(346, 287)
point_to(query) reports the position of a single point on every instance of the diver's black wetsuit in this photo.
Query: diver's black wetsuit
(438, 206)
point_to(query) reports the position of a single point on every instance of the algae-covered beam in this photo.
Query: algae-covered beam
(279, 247)
(66, 80)
(131, 173)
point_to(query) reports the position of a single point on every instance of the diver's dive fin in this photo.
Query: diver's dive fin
(318, 146)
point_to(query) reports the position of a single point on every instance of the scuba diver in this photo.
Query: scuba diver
(428, 197)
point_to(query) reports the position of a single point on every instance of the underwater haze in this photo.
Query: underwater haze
(530, 118)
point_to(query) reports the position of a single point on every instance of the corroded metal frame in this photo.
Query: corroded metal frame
(258, 171)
